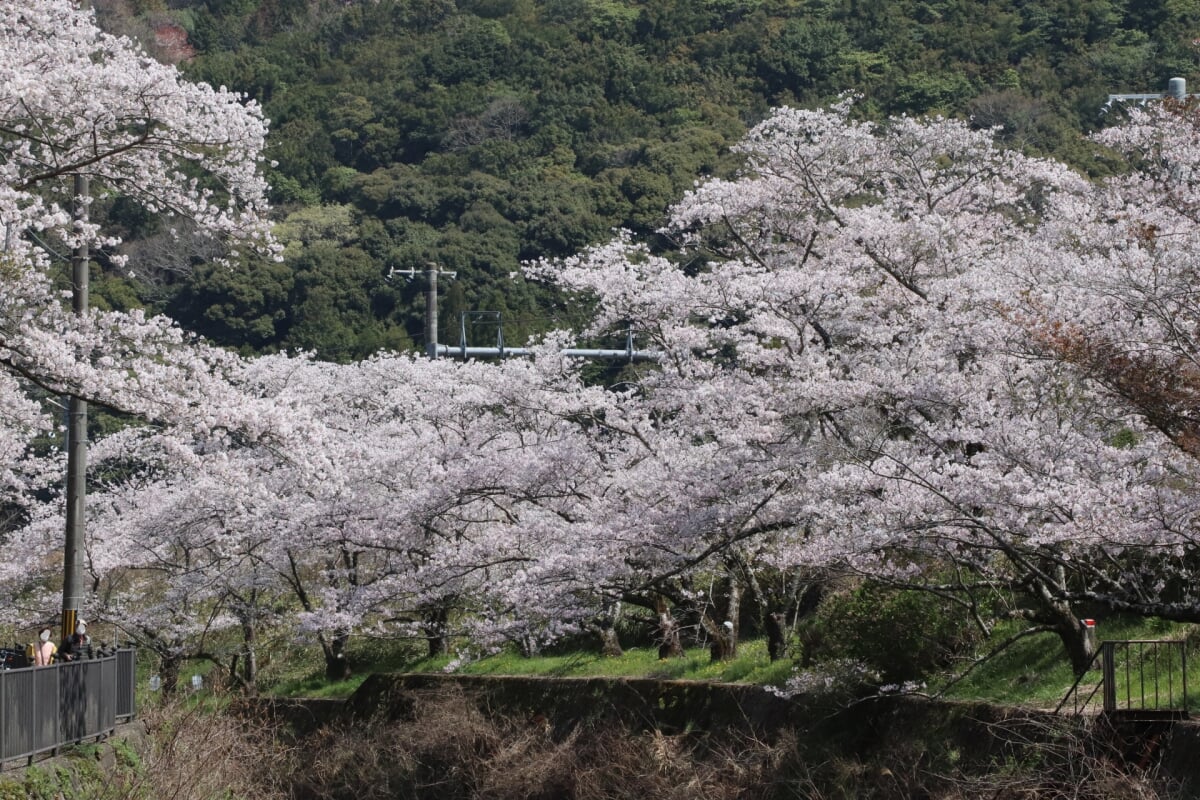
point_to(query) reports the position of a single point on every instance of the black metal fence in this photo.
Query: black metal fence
(1139, 679)
(44, 708)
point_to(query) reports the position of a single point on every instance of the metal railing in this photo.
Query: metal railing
(44, 708)
(1138, 679)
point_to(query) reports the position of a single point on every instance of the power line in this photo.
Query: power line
(435, 350)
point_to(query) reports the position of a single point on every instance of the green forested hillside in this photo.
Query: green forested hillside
(481, 133)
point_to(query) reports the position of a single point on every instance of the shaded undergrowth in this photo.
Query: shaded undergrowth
(451, 745)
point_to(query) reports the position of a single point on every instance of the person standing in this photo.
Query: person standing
(78, 645)
(44, 652)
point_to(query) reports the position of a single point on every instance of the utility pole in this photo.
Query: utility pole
(73, 548)
(431, 303)
(431, 309)
(76, 523)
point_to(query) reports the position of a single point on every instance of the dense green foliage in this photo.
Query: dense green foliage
(901, 636)
(482, 133)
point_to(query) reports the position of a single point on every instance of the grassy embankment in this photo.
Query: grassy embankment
(1033, 671)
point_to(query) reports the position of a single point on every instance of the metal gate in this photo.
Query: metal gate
(1139, 679)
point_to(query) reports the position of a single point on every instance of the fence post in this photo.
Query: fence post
(1183, 676)
(1108, 668)
(126, 684)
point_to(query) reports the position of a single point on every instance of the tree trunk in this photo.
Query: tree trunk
(530, 646)
(724, 635)
(753, 596)
(1077, 640)
(435, 625)
(169, 674)
(337, 667)
(605, 626)
(776, 638)
(669, 645)
(250, 663)
(724, 643)
(610, 645)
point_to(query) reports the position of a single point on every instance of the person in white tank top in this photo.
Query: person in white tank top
(43, 654)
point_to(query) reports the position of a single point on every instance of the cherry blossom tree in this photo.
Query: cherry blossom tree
(847, 329)
(471, 498)
(895, 348)
(174, 553)
(409, 499)
(1114, 303)
(178, 517)
(75, 100)
(78, 103)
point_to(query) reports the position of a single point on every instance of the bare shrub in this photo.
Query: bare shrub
(451, 749)
(197, 754)
(450, 746)
(1030, 757)
(1065, 760)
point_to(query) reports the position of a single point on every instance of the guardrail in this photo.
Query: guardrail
(44, 708)
(1139, 679)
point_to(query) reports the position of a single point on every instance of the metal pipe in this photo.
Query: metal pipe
(446, 351)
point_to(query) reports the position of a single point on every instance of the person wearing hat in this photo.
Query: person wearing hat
(44, 651)
(78, 645)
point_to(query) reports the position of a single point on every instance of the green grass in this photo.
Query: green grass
(1033, 672)
(302, 673)
(750, 666)
(314, 684)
